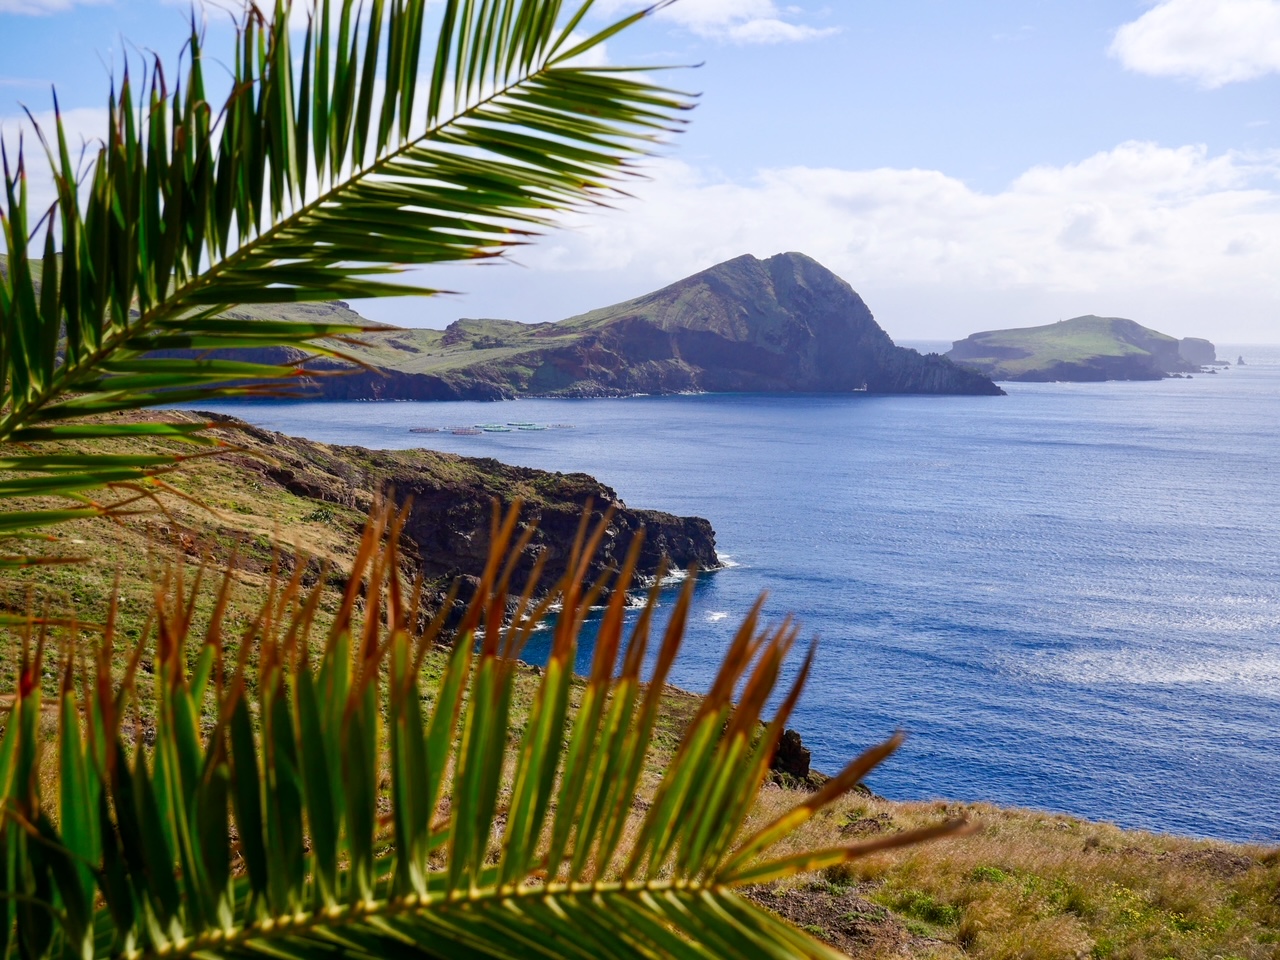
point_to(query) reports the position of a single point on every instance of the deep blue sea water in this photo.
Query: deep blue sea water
(1069, 597)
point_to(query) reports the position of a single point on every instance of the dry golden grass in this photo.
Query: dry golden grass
(1036, 885)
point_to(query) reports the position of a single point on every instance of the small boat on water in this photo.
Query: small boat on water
(496, 428)
(424, 429)
(521, 423)
(531, 426)
(466, 432)
(562, 426)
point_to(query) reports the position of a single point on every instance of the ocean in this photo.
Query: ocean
(1067, 597)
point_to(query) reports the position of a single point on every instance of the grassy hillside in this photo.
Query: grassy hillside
(736, 299)
(1082, 344)
(466, 343)
(1037, 886)
(1029, 885)
(1078, 339)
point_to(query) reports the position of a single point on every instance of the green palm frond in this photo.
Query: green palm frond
(328, 169)
(302, 806)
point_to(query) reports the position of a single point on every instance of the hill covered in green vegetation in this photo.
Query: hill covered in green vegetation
(1085, 348)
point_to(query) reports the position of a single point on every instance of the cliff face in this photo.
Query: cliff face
(1081, 349)
(1197, 351)
(447, 533)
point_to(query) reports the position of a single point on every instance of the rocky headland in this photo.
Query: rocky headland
(273, 499)
(451, 499)
(786, 324)
(1082, 349)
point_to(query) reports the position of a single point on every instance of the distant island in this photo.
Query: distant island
(1082, 349)
(785, 324)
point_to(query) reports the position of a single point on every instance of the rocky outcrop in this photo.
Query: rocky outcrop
(446, 535)
(789, 766)
(791, 757)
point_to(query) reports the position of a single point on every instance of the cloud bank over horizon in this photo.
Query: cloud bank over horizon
(1180, 238)
(1167, 235)
(1214, 42)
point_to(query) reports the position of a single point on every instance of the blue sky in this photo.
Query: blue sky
(964, 165)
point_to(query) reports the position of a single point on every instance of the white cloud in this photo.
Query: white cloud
(1139, 213)
(1119, 232)
(1212, 41)
(738, 21)
(772, 30)
(41, 7)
